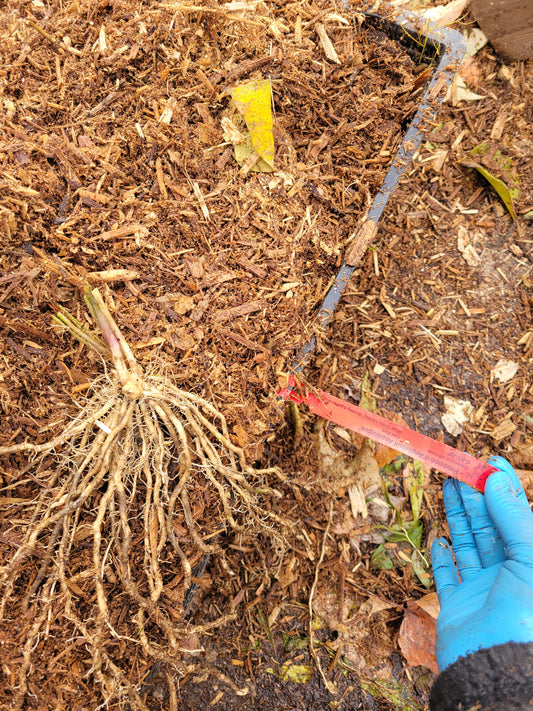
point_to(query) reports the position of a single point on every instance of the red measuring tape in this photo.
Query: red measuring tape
(437, 455)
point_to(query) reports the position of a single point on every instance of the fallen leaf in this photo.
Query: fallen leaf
(504, 370)
(500, 187)
(367, 468)
(385, 455)
(343, 434)
(367, 401)
(446, 14)
(85, 142)
(430, 603)
(475, 41)
(335, 467)
(457, 414)
(299, 673)
(293, 644)
(354, 633)
(470, 255)
(372, 606)
(418, 632)
(154, 341)
(253, 101)
(470, 71)
(318, 145)
(458, 91)
(182, 340)
(241, 436)
(391, 694)
(501, 175)
(180, 303)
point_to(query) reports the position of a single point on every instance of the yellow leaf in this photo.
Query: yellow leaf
(254, 101)
(506, 182)
(300, 673)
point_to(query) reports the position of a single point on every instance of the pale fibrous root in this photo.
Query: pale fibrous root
(132, 463)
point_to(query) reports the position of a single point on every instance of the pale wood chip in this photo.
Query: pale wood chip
(201, 200)
(327, 44)
(502, 430)
(237, 311)
(115, 275)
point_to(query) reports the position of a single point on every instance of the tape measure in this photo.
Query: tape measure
(437, 455)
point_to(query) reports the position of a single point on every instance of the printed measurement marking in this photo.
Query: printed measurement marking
(437, 455)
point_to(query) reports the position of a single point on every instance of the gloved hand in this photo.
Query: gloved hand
(492, 538)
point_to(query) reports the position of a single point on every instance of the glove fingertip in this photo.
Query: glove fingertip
(504, 480)
(439, 543)
(444, 570)
(451, 495)
(503, 465)
(441, 552)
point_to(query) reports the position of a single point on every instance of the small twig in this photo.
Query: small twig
(102, 104)
(327, 684)
(43, 33)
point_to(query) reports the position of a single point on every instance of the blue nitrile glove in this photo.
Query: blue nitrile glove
(492, 539)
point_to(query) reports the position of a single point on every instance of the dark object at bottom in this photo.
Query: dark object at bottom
(499, 678)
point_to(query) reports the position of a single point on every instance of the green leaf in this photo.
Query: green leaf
(396, 693)
(500, 187)
(367, 401)
(409, 531)
(295, 643)
(415, 486)
(421, 570)
(501, 175)
(380, 558)
(300, 673)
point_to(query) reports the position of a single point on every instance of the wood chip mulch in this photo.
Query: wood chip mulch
(114, 168)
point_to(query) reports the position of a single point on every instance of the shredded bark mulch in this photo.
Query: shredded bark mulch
(114, 171)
